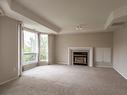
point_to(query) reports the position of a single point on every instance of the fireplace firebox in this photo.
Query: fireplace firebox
(80, 58)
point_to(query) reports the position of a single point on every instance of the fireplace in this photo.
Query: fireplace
(80, 58)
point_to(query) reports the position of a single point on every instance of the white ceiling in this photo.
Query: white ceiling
(67, 14)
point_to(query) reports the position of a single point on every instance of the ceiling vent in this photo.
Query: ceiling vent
(118, 24)
(1, 12)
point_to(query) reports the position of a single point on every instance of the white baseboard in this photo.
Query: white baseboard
(61, 62)
(104, 66)
(9, 80)
(119, 72)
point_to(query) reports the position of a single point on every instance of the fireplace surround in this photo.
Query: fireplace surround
(87, 57)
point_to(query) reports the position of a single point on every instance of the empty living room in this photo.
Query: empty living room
(63, 47)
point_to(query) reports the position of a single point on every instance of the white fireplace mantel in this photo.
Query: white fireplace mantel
(90, 54)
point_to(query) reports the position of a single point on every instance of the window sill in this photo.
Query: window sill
(43, 62)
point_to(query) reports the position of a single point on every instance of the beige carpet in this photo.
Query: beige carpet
(67, 80)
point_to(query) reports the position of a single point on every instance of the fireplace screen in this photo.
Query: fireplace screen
(80, 58)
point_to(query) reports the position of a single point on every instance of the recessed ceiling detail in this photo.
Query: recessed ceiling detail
(117, 19)
(30, 20)
(62, 16)
(118, 24)
(1, 12)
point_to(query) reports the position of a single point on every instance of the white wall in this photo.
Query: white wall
(120, 51)
(62, 42)
(8, 49)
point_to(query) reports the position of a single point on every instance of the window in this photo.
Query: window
(35, 44)
(43, 47)
(30, 52)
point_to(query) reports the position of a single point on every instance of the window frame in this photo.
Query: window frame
(40, 48)
(30, 62)
(38, 60)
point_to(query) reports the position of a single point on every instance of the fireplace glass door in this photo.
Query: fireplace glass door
(80, 58)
